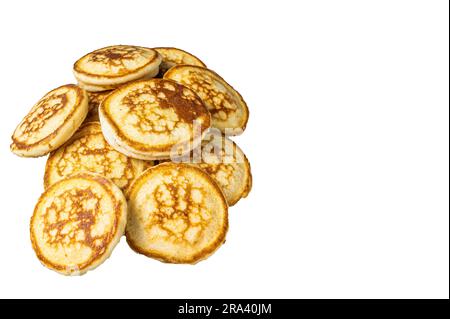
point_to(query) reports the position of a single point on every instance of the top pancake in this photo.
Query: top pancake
(116, 64)
(174, 56)
(51, 121)
(152, 119)
(228, 109)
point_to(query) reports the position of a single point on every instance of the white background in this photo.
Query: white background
(348, 141)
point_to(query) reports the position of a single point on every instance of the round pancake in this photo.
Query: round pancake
(88, 150)
(115, 65)
(176, 214)
(153, 119)
(50, 122)
(174, 56)
(77, 222)
(95, 99)
(225, 162)
(228, 109)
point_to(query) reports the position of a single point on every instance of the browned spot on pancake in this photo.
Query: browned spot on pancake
(112, 55)
(75, 213)
(166, 95)
(116, 56)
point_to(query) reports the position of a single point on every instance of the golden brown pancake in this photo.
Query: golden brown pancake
(88, 151)
(50, 122)
(225, 162)
(153, 119)
(109, 67)
(77, 222)
(174, 56)
(177, 214)
(228, 109)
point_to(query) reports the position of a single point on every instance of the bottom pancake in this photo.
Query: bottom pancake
(77, 222)
(177, 214)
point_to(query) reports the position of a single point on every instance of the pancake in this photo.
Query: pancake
(228, 109)
(225, 162)
(153, 119)
(95, 99)
(109, 67)
(50, 122)
(77, 222)
(88, 150)
(174, 56)
(176, 214)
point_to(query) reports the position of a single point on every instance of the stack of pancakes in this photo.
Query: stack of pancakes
(139, 147)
